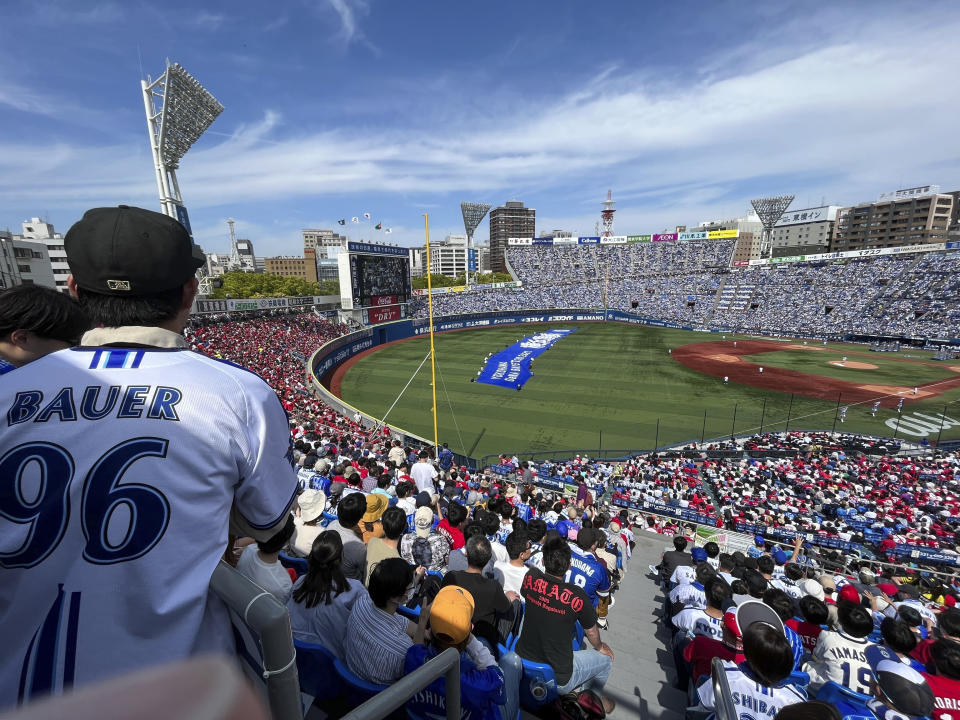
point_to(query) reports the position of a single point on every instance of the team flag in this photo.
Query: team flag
(355, 219)
(388, 231)
(379, 226)
(366, 216)
(342, 221)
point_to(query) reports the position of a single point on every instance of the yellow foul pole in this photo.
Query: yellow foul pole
(433, 365)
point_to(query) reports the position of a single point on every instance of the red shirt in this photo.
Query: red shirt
(701, 651)
(946, 696)
(455, 535)
(808, 632)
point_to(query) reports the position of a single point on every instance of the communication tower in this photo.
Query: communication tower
(606, 215)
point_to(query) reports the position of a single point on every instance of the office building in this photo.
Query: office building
(37, 230)
(449, 256)
(24, 262)
(298, 267)
(804, 232)
(912, 216)
(507, 221)
(327, 243)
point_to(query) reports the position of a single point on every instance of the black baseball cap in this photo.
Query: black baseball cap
(128, 251)
(904, 688)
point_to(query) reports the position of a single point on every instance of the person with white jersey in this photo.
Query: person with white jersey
(125, 464)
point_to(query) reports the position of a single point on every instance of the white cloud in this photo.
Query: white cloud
(844, 119)
(207, 21)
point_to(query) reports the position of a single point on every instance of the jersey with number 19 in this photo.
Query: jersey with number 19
(119, 471)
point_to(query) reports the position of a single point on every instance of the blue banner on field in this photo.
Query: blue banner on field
(510, 368)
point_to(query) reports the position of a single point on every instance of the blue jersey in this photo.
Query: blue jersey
(588, 573)
(6, 367)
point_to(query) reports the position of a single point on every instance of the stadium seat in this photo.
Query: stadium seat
(409, 613)
(848, 701)
(357, 689)
(315, 666)
(294, 563)
(538, 686)
(799, 679)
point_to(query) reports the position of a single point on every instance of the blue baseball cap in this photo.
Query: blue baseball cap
(758, 540)
(699, 554)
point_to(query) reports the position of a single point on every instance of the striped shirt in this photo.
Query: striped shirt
(376, 642)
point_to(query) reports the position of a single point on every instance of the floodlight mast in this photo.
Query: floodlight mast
(473, 213)
(770, 210)
(179, 110)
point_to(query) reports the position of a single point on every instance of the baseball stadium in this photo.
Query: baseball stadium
(666, 476)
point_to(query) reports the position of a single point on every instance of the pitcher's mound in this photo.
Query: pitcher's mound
(854, 365)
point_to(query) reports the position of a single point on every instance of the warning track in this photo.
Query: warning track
(721, 358)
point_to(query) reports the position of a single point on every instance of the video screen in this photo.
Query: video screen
(378, 278)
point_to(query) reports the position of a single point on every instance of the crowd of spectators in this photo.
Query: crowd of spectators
(899, 295)
(787, 630)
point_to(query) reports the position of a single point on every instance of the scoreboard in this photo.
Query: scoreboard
(375, 281)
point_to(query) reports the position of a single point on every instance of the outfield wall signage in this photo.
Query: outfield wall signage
(613, 240)
(852, 254)
(639, 238)
(565, 240)
(516, 242)
(665, 237)
(237, 305)
(624, 239)
(687, 236)
(722, 234)
(953, 246)
(588, 241)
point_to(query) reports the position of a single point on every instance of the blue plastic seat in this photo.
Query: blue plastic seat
(799, 679)
(409, 613)
(315, 666)
(848, 701)
(538, 685)
(298, 564)
(357, 690)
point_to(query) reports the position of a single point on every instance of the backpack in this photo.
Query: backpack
(584, 705)
(422, 552)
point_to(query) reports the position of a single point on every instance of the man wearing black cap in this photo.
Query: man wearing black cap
(137, 459)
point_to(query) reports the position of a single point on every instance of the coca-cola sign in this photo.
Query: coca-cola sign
(382, 300)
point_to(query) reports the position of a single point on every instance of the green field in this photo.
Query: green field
(603, 387)
(890, 369)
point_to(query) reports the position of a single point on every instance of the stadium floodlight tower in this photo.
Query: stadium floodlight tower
(473, 213)
(606, 215)
(770, 210)
(179, 110)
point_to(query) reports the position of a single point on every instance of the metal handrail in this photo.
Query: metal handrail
(722, 700)
(386, 701)
(270, 620)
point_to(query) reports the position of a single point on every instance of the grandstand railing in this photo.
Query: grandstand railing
(722, 697)
(386, 701)
(273, 663)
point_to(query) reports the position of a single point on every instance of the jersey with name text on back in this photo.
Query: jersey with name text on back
(588, 573)
(119, 469)
(751, 700)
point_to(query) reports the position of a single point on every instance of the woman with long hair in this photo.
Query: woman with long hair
(322, 599)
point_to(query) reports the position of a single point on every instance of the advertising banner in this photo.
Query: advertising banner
(808, 215)
(565, 241)
(519, 241)
(722, 234)
(542, 241)
(471, 260)
(953, 245)
(511, 368)
(381, 300)
(665, 237)
(589, 240)
(376, 249)
(850, 254)
(701, 235)
(741, 263)
(613, 240)
(383, 314)
(639, 238)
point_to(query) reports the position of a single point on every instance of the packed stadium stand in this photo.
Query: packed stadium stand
(914, 295)
(859, 536)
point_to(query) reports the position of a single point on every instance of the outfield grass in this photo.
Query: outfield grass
(890, 370)
(604, 386)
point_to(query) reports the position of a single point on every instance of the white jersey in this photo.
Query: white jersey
(121, 470)
(690, 596)
(840, 658)
(694, 621)
(751, 700)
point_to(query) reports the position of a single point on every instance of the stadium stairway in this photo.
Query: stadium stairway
(642, 678)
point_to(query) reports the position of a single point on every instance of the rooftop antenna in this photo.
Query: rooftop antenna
(606, 215)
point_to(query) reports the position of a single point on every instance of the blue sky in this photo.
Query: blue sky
(686, 110)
